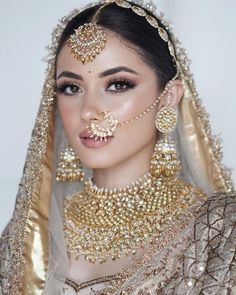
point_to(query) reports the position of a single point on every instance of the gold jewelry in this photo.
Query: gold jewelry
(148, 109)
(69, 167)
(103, 132)
(88, 40)
(101, 223)
(98, 131)
(166, 119)
(164, 161)
(153, 22)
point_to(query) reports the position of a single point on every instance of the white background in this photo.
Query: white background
(205, 27)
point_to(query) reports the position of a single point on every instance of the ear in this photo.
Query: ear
(174, 94)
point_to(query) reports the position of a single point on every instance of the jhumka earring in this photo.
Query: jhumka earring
(164, 161)
(69, 167)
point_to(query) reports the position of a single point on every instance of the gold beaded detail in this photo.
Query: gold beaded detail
(100, 132)
(90, 39)
(69, 167)
(102, 223)
(151, 107)
(166, 119)
(165, 160)
(154, 23)
(87, 41)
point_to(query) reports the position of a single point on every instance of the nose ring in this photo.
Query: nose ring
(102, 132)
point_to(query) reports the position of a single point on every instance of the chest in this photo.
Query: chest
(82, 271)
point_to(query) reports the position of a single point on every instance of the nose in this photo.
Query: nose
(91, 108)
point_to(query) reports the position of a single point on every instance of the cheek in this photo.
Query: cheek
(136, 102)
(137, 135)
(139, 132)
(68, 116)
(136, 108)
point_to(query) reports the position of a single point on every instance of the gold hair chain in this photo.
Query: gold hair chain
(154, 23)
(89, 39)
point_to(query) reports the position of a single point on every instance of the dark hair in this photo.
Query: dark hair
(134, 29)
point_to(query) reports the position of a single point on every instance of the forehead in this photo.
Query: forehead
(117, 52)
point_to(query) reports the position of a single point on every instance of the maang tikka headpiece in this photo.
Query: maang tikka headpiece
(89, 40)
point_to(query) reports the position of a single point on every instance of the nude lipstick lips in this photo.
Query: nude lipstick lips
(91, 142)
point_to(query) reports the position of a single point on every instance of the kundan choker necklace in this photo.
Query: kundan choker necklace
(101, 223)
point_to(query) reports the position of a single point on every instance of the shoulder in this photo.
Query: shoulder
(214, 231)
(214, 225)
(213, 243)
(217, 215)
(219, 206)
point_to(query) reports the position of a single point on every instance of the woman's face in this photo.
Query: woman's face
(119, 81)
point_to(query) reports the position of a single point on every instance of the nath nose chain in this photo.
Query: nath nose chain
(106, 127)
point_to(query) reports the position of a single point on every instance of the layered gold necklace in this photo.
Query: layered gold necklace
(101, 223)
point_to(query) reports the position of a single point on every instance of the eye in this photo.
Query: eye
(68, 89)
(120, 85)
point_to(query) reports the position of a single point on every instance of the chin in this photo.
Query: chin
(98, 161)
(96, 165)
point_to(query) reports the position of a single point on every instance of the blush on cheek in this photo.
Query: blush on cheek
(66, 114)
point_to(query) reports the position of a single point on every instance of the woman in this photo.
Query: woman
(105, 205)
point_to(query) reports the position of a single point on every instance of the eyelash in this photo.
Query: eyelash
(122, 80)
(61, 88)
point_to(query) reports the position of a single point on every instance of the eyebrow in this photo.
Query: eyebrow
(70, 75)
(116, 70)
(108, 72)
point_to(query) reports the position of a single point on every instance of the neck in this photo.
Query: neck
(126, 172)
